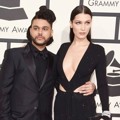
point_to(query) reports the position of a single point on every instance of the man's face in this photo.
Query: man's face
(40, 32)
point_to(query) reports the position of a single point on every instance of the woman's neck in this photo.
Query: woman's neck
(81, 42)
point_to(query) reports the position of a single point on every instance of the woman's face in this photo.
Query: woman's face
(81, 25)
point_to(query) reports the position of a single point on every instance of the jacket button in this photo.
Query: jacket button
(35, 108)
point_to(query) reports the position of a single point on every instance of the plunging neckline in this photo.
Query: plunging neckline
(84, 55)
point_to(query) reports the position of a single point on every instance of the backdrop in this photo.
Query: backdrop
(16, 15)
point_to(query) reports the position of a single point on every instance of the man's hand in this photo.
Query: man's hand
(86, 89)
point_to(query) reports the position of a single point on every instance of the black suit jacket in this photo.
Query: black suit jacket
(21, 98)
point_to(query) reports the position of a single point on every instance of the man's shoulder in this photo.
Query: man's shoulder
(14, 51)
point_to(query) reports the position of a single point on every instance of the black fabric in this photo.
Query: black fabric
(75, 106)
(98, 117)
(20, 96)
(41, 62)
(41, 65)
(36, 52)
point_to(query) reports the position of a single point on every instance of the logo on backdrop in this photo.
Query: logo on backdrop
(10, 10)
(113, 66)
(113, 75)
(107, 3)
(113, 63)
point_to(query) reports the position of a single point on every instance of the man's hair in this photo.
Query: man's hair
(46, 14)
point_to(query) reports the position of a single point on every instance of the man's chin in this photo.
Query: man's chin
(40, 43)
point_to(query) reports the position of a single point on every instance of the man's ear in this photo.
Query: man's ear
(52, 33)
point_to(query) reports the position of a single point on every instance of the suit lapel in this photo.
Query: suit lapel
(32, 68)
(44, 78)
(30, 62)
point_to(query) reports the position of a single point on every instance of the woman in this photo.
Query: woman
(76, 62)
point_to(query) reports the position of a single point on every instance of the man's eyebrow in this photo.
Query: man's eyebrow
(35, 26)
(39, 27)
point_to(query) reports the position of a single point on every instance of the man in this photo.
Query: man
(26, 84)
(26, 78)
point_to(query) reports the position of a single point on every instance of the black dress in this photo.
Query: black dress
(74, 106)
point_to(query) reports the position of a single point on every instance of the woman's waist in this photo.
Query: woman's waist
(72, 89)
(76, 97)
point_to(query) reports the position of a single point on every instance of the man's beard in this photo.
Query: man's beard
(40, 44)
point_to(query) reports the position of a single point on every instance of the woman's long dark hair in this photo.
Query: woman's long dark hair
(77, 10)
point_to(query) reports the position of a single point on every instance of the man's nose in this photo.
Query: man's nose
(40, 31)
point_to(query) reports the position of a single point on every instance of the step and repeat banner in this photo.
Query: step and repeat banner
(16, 15)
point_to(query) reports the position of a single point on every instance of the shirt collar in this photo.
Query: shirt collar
(35, 51)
